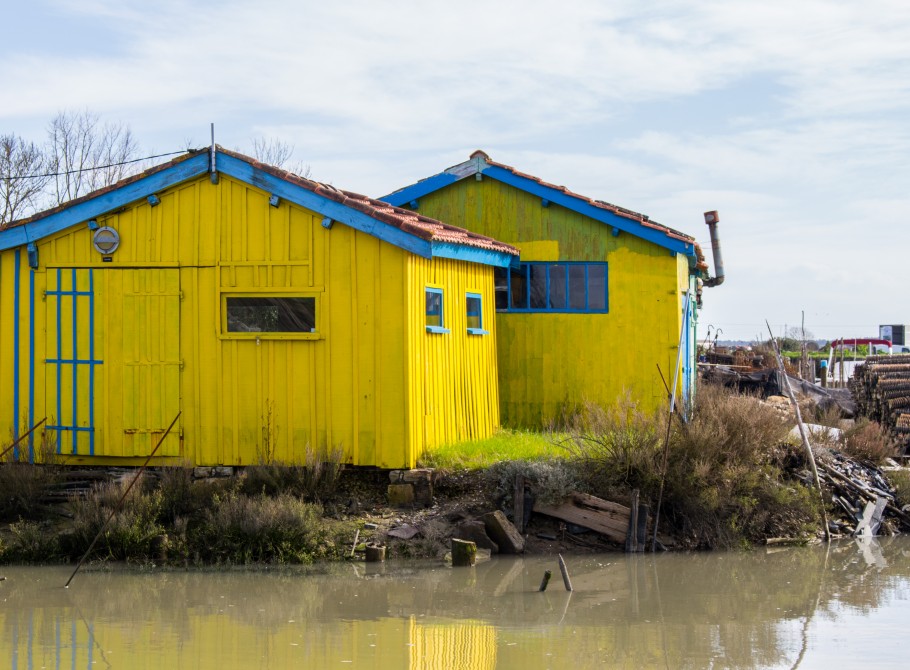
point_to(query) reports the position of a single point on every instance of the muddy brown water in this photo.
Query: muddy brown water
(844, 606)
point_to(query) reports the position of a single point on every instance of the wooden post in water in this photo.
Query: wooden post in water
(545, 580)
(565, 573)
(464, 553)
(375, 553)
(632, 534)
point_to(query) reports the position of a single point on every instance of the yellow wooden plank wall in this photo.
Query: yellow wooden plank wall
(551, 362)
(452, 382)
(243, 399)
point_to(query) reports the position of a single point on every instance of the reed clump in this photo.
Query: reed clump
(726, 481)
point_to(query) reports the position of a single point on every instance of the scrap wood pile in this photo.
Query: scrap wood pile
(862, 492)
(881, 387)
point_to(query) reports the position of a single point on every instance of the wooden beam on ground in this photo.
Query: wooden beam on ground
(605, 517)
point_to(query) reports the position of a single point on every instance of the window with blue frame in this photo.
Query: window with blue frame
(552, 287)
(434, 311)
(474, 312)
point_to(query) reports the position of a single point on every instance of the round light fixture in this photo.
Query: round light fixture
(106, 240)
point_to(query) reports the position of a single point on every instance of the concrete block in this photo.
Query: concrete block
(400, 494)
(476, 532)
(503, 533)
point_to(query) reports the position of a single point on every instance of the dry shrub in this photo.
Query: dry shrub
(261, 529)
(31, 542)
(552, 481)
(724, 482)
(23, 484)
(868, 441)
(133, 526)
(619, 446)
(181, 495)
(314, 479)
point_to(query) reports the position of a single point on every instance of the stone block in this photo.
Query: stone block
(421, 479)
(503, 533)
(476, 532)
(400, 494)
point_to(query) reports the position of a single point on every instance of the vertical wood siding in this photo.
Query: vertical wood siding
(549, 364)
(452, 376)
(157, 311)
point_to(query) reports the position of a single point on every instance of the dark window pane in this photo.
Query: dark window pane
(434, 308)
(475, 319)
(557, 287)
(538, 286)
(271, 315)
(576, 287)
(597, 287)
(501, 284)
(518, 297)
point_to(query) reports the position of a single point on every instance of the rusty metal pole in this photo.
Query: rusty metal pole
(22, 437)
(120, 502)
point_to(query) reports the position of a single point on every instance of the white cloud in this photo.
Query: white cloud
(615, 100)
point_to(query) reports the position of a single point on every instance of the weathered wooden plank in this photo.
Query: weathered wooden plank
(599, 515)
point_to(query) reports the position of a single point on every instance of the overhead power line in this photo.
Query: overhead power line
(95, 167)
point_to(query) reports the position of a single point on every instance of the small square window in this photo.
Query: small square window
(434, 311)
(474, 311)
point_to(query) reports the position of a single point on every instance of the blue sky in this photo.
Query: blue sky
(788, 118)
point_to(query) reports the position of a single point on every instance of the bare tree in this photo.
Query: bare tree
(23, 168)
(86, 154)
(278, 152)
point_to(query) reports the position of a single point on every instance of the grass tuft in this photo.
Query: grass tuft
(504, 445)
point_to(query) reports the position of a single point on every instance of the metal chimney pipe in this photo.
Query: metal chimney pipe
(712, 218)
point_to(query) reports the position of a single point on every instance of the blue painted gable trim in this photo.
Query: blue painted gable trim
(299, 195)
(106, 202)
(548, 195)
(276, 186)
(473, 254)
(420, 189)
(604, 216)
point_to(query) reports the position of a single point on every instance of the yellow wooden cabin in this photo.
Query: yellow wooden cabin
(276, 314)
(602, 297)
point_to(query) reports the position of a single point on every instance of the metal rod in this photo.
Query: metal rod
(663, 470)
(120, 502)
(803, 433)
(22, 437)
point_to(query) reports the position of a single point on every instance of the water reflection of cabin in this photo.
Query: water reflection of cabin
(276, 313)
(598, 301)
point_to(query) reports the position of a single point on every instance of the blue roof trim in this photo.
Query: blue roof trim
(549, 195)
(234, 167)
(459, 252)
(416, 191)
(604, 216)
(106, 202)
(276, 186)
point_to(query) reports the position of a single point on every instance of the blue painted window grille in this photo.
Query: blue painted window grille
(474, 312)
(434, 311)
(68, 360)
(552, 287)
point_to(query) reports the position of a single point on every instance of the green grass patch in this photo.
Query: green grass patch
(504, 445)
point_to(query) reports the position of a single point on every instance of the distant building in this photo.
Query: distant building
(897, 334)
(597, 304)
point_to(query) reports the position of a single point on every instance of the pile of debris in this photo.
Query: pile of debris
(863, 493)
(881, 387)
